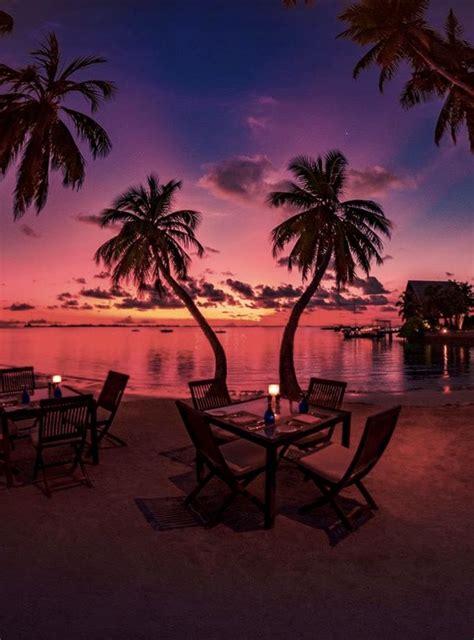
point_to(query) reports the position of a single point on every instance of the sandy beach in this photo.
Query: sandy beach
(87, 565)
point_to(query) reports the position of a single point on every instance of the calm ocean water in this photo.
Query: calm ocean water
(162, 363)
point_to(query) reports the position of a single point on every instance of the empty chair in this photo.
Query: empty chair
(17, 379)
(336, 467)
(235, 463)
(62, 423)
(327, 394)
(107, 406)
(212, 394)
(209, 394)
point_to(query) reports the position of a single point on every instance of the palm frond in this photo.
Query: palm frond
(90, 131)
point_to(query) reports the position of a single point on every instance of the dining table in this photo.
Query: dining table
(245, 420)
(13, 410)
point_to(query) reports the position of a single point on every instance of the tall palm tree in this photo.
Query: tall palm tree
(323, 229)
(397, 31)
(6, 22)
(152, 245)
(425, 84)
(31, 123)
(292, 3)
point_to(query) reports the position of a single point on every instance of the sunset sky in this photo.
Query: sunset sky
(222, 94)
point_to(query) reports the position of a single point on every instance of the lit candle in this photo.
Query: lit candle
(273, 389)
(56, 379)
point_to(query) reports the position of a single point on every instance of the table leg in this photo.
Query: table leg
(346, 431)
(270, 487)
(6, 451)
(94, 438)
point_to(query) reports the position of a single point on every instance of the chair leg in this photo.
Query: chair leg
(344, 519)
(199, 467)
(79, 462)
(370, 501)
(37, 465)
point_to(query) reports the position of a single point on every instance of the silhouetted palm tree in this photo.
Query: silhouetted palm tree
(31, 123)
(293, 3)
(152, 247)
(426, 84)
(6, 22)
(323, 229)
(397, 31)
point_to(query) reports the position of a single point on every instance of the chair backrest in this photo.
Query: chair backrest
(199, 430)
(375, 438)
(17, 379)
(112, 391)
(209, 394)
(326, 393)
(65, 418)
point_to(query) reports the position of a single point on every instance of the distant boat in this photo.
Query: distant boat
(135, 330)
(166, 330)
(220, 331)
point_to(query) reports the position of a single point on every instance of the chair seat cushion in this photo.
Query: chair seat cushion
(330, 463)
(312, 439)
(243, 456)
(223, 435)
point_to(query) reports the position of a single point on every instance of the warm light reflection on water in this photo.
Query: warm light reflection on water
(162, 364)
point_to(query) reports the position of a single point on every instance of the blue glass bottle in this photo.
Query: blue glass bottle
(25, 396)
(58, 393)
(269, 416)
(303, 406)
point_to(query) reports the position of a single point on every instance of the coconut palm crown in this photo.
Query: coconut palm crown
(152, 247)
(324, 229)
(6, 22)
(425, 84)
(33, 130)
(397, 31)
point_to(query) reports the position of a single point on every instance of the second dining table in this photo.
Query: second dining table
(13, 409)
(245, 419)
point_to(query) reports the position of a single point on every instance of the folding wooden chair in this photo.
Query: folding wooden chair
(334, 468)
(212, 394)
(62, 423)
(235, 463)
(108, 403)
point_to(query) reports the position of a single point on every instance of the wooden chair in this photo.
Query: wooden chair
(17, 379)
(235, 463)
(212, 394)
(327, 394)
(14, 381)
(62, 423)
(107, 406)
(336, 467)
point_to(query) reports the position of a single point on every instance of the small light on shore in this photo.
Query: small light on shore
(444, 330)
(273, 389)
(56, 379)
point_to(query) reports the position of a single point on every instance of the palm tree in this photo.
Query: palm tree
(426, 84)
(323, 229)
(152, 246)
(31, 123)
(397, 31)
(6, 22)
(292, 3)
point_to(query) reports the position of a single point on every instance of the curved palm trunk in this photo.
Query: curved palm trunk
(219, 353)
(289, 386)
(454, 79)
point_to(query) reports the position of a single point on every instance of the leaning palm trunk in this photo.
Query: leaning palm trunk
(288, 380)
(183, 295)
